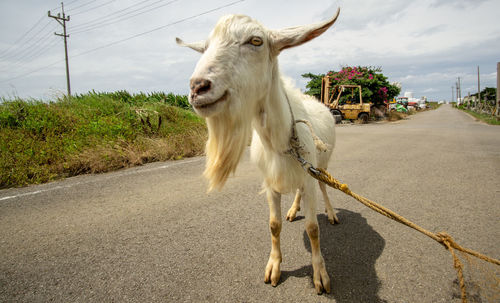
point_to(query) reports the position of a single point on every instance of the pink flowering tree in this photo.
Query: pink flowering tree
(375, 87)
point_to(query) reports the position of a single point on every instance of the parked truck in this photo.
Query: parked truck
(345, 101)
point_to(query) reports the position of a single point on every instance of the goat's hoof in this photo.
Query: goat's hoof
(291, 214)
(273, 271)
(333, 219)
(321, 279)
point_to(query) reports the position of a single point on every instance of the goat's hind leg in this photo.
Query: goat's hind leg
(273, 272)
(320, 275)
(332, 217)
(292, 212)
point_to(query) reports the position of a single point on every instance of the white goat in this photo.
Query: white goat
(237, 87)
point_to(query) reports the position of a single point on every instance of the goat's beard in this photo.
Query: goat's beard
(228, 135)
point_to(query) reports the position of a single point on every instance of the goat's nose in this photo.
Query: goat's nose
(200, 86)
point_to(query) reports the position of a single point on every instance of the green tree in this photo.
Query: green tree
(488, 94)
(314, 85)
(376, 87)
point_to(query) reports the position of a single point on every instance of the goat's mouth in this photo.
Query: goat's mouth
(205, 104)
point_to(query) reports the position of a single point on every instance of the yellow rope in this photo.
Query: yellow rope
(441, 237)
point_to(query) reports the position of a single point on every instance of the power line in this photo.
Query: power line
(22, 36)
(81, 5)
(123, 40)
(43, 49)
(25, 56)
(99, 21)
(93, 8)
(67, 4)
(32, 71)
(88, 23)
(30, 42)
(107, 22)
(22, 54)
(18, 51)
(33, 56)
(158, 28)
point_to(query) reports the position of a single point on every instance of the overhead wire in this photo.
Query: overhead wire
(21, 52)
(43, 49)
(50, 39)
(23, 42)
(118, 17)
(22, 36)
(123, 40)
(107, 22)
(36, 44)
(158, 28)
(32, 46)
(80, 6)
(68, 4)
(92, 8)
(88, 23)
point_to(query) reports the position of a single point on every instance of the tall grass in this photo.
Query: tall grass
(94, 132)
(487, 118)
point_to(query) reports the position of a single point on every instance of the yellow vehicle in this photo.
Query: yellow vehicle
(345, 100)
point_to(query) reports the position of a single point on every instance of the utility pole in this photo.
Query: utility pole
(452, 96)
(478, 88)
(62, 20)
(459, 89)
(498, 89)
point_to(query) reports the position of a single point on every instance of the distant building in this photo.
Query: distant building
(409, 95)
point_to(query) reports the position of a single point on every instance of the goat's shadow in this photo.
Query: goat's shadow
(350, 250)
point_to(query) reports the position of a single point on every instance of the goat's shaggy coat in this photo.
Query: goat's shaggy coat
(238, 88)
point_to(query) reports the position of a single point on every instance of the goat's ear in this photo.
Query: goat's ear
(197, 46)
(293, 36)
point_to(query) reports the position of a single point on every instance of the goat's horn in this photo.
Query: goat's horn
(197, 46)
(293, 36)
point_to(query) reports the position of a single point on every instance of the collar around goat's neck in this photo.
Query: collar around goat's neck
(296, 149)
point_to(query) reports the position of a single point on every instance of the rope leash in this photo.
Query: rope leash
(441, 237)
(324, 176)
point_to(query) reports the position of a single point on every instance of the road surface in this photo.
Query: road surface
(152, 234)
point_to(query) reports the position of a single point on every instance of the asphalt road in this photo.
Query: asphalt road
(152, 234)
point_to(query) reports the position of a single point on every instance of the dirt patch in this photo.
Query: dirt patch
(396, 116)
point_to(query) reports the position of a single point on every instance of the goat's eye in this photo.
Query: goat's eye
(256, 41)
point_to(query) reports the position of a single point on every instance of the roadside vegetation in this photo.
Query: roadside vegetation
(96, 132)
(93, 133)
(487, 118)
(433, 105)
(483, 108)
(375, 89)
(375, 85)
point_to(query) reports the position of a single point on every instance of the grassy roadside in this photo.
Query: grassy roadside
(93, 133)
(433, 105)
(489, 119)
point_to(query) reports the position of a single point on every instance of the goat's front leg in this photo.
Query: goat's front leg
(273, 271)
(292, 212)
(320, 276)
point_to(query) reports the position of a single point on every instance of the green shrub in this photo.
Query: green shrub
(42, 141)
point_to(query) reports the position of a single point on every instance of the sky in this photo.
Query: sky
(130, 44)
